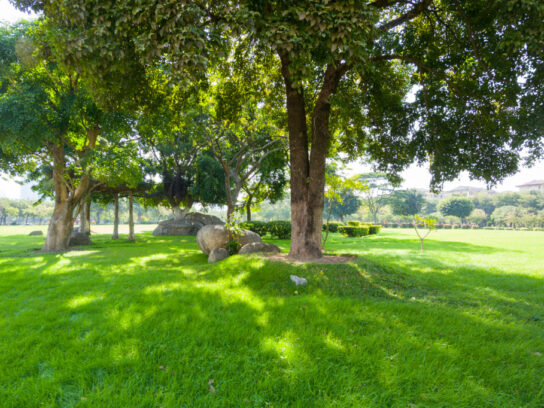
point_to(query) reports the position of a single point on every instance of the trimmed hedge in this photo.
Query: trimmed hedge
(279, 229)
(353, 223)
(333, 226)
(353, 231)
(374, 229)
(259, 227)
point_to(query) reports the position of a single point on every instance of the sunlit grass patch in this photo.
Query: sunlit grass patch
(151, 323)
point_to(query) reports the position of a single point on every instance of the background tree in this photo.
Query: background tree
(348, 204)
(47, 118)
(375, 197)
(268, 184)
(406, 202)
(478, 217)
(456, 206)
(338, 187)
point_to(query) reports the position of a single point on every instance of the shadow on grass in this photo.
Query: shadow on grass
(370, 333)
(413, 243)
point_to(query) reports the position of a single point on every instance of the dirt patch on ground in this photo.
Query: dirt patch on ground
(325, 259)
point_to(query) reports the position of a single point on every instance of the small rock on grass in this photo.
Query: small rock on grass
(256, 247)
(298, 280)
(218, 254)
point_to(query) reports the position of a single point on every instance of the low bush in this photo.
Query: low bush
(406, 225)
(353, 231)
(279, 229)
(333, 226)
(374, 229)
(259, 227)
(233, 246)
(354, 223)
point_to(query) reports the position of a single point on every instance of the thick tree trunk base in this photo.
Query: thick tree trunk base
(60, 228)
(305, 232)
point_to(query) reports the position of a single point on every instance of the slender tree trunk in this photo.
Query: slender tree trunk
(248, 208)
(116, 217)
(131, 236)
(329, 212)
(88, 214)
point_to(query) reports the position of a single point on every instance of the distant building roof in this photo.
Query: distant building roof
(464, 189)
(532, 183)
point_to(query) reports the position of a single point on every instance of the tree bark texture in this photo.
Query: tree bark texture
(131, 236)
(115, 234)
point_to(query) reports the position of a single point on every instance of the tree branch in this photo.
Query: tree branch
(414, 12)
(389, 57)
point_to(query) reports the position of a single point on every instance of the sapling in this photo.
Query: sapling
(424, 223)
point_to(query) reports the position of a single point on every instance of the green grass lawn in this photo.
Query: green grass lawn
(152, 324)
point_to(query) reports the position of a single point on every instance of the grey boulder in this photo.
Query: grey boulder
(79, 238)
(204, 219)
(35, 233)
(177, 227)
(216, 236)
(256, 247)
(188, 225)
(218, 254)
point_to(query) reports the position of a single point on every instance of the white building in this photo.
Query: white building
(535, 185)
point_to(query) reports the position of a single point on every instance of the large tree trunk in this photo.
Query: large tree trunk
(84, 217)
(61, 223)
(60, 226)
(308, 168)
(131, 236)
(115, 234)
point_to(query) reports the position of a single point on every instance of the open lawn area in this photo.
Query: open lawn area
(152, 324)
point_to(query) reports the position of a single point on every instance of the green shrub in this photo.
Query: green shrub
(333, 226)
(233, 247)
(279, 229)
(352, 231)
(406, 225)
(395, 225)
(374, 229)
(259, 227)
(353, 223)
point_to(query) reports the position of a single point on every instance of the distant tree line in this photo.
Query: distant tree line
(28, 212)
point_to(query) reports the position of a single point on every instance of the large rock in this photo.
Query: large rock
(188, 225)
(35, 233)
(216, 236)
(256, 247)
(80, 238)
(204, 219)
(218, 254)
(177, 227)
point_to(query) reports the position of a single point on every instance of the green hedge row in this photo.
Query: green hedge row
(277, 229)
(353, 228)
(282, 229)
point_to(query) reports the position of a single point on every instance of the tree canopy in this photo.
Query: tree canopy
(454, 83)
